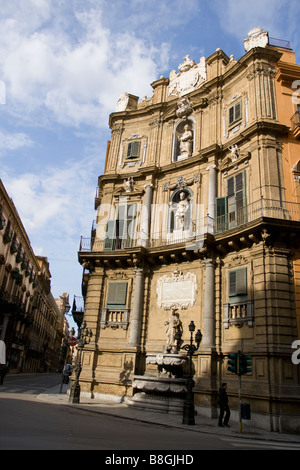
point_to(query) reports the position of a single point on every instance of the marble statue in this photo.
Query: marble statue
(172, 325)
(185, 141)
(181, 211)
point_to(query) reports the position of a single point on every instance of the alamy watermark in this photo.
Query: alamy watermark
(296, 94)
(296, 354)
(2, 92)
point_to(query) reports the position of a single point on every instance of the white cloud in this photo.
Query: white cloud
(238, 18)
(13, 141)
(75, 77)
(55, 202)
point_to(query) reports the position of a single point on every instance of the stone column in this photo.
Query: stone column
(137, 309)
(146, 214)
(209, 305)
(92, 302)
(212, 190)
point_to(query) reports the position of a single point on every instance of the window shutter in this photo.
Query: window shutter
(231, 115)
(221, 214)
(241, 281)
(235, 113)
(238, 282)
(117, 293)
(232, 283)
(126, 224)
(238, 111)
(110, 235)
(230, 186)
(221, 206)
(133, 149)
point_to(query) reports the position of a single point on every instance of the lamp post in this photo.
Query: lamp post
(191, 348)
(84, 337)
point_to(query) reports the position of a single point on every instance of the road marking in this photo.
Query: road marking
(264, 444)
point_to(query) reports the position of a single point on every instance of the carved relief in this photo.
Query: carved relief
(189, 77)
(256, 38)
(177, 291)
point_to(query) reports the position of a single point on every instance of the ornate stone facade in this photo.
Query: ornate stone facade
(229, 265)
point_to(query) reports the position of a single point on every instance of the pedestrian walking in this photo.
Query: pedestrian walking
(224, 407)
(3, 365)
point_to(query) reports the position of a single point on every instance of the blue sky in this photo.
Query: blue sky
(64, 64)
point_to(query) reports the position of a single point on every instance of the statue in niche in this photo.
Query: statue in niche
(185, 141)
(234, 150)
(128, 184)
(182, 211)
(173, 323)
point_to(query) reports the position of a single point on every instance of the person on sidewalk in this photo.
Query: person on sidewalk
(224, 407)
(3, 365)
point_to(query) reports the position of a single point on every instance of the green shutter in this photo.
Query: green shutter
(133, 150)
(231, 115)
(110, 235)
(126, 224)
(235, 113)
(238, 111)
(230, 187)
(232, 283)
(238, 282)
(221, 214)
(236, 191)
(117, 294)
(241, 281)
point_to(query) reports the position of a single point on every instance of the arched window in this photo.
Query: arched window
(183, 140)
(180, 210)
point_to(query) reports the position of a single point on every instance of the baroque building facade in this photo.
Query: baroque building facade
(31, 320)
(198, 220)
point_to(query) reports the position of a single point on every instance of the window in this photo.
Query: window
(120, 232)
(238, 282)
(236, 199)
(133, 150)
(240, 308)
(117, 295)
(235, 113)
(231, 210)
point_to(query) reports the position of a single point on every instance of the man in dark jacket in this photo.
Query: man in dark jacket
(224, 408)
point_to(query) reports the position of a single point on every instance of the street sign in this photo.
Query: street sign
(72, 341)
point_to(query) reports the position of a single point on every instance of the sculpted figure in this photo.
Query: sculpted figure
(185, 141)
(172, 324)
(181, 212)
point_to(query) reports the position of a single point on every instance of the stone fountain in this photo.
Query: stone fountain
(162, 389)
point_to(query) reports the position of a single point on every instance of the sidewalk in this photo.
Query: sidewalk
(202, 423)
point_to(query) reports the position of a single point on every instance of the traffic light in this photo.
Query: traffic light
(232, 363)
(245, 364)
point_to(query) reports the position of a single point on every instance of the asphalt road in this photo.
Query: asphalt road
(26, 423)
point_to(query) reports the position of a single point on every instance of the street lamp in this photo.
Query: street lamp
(84, 337)
(189, 409)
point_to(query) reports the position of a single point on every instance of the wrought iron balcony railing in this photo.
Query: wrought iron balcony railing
(268, 208)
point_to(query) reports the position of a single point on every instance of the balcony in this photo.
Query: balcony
(263, 208)
(194, 237)
(295, 124)
(115, 318)
(238, 313)
(78, 310)
(194, 234)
